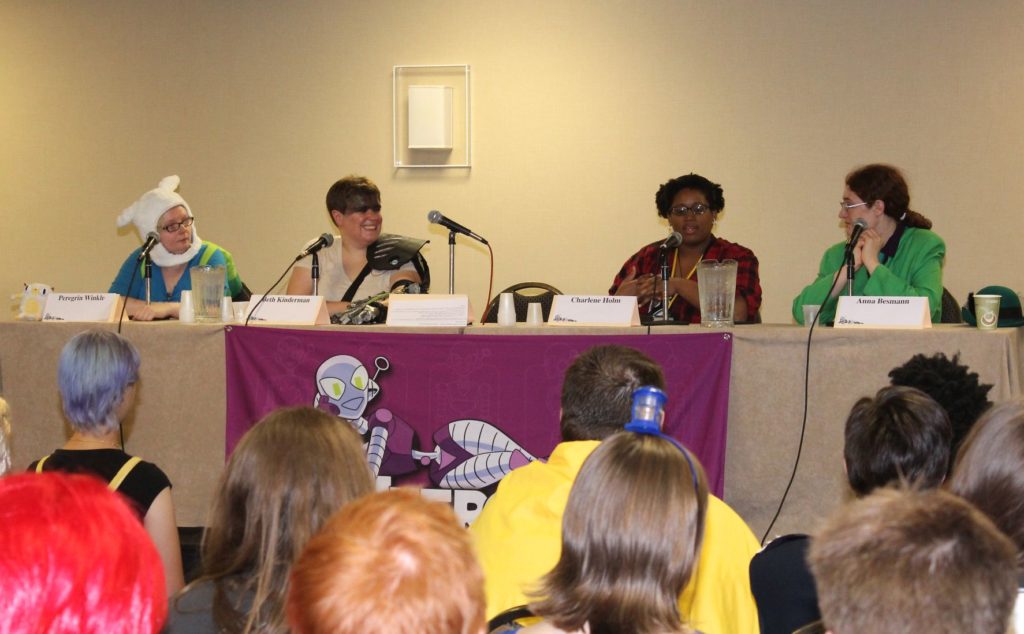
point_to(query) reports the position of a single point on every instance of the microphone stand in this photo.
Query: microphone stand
(147, 273)
(315, 273)
(451, 262)
(663, 256)
(849, 274)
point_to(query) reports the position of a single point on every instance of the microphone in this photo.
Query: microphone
(672, 241)
(437, 218)
(325, 240)
(859, 226)
(151, 239)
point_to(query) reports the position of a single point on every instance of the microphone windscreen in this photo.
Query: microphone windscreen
(152, 235)
(327, 239)
(434, 216)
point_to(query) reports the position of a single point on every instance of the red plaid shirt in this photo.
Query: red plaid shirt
(748, 285)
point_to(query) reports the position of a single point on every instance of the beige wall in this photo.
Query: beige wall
(580, 110)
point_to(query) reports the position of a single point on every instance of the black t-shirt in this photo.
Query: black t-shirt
(144, 482)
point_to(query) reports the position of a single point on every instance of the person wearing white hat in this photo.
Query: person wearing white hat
(163, 211)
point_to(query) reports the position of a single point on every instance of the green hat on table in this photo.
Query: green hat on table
(1010, 315)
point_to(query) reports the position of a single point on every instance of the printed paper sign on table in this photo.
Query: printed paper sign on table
(910, 313)
(594, 310)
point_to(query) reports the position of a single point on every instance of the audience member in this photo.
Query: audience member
(75, 560)
(287, 475)
(390, 563)
(631, 534)
(989, 473)
(518, 532)
(97, 374)
(900, 435)
(952, 385)
(902, 561)
(5, 438)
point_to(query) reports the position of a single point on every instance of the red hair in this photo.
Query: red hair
(389, 562)
(75, 559)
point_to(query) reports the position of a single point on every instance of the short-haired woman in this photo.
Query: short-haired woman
(631, 535)
(288, 474)
(96, 375)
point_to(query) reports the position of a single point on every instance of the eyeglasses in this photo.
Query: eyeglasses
(362, 209)
(696, 211)
(174, 227)
(845, 206)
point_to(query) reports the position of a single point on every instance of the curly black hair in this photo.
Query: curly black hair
(951, 384)
(668, 191)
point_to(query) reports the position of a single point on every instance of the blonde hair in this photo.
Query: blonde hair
(286, 477)
(390, 562)
(631, 535)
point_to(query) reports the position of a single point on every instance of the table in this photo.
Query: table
(179, 420)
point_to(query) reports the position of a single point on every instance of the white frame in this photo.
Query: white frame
(396, 154)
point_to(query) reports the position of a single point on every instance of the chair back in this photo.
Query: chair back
(950, 309)
(524, 294)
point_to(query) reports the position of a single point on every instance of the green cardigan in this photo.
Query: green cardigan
(915, 270)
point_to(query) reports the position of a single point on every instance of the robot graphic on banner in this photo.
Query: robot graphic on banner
(467, 453)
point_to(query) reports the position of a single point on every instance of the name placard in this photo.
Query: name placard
(302, 310)
(594, 310)
(82, 307)
(428, 310)
(910, 313)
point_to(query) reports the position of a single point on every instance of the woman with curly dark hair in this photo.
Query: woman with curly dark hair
(896, 255)
(691, 204)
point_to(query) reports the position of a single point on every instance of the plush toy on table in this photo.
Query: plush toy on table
(33, 301)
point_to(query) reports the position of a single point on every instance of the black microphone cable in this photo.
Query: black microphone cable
(326, 239)
(803, 422)
(264, 296)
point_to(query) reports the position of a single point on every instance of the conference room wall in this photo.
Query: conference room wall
(580, 110)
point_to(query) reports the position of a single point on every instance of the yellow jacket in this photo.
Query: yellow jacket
(518, 540)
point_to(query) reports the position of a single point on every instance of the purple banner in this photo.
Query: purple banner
(458, 412)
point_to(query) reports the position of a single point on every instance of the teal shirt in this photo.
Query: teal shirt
(915, 271)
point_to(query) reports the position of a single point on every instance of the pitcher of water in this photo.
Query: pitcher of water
(207, 291)
(716, 284)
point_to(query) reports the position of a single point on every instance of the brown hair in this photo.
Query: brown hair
(913, 561)
(390, 562)
(344, 192)
(989, 470)
(631, 534)
(597, 392)
(900, 434)
(886, 183)
(287, 475)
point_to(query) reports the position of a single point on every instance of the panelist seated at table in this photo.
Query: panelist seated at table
(355, 266)
(896, 255)
(691, 205)
(165, 212)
